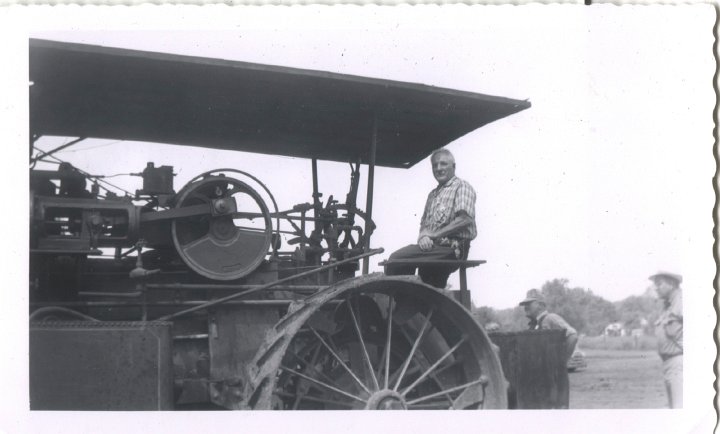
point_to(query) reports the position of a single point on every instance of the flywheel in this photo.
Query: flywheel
(376, 342)
(232, 238)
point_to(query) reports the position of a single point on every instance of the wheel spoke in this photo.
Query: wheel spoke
(299, 395)
(237, 215)
(339, 360)
(192, 244)
(470, 396)
(322, 384)
(414, 347)
(415, 369)
(251, 229)
(482, 379)
(366, 356)
(419, 364)
(381, 365)
(305, 362)
(387, 350)
(435, 365)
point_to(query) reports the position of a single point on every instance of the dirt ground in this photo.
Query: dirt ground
(618, 379)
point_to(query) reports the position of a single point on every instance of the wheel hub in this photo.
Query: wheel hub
(386, 399)
(222, 229)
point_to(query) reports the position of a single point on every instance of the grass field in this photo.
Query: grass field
(618, 342)
(618, 379)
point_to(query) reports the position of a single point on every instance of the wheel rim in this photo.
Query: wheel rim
(378, 342)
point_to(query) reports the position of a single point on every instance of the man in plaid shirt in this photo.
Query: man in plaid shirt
(447, 226)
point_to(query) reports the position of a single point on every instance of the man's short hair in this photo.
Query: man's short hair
(443, 151)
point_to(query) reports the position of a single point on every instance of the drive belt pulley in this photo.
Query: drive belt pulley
(232, 239)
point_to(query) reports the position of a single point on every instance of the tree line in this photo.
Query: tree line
(588, 313)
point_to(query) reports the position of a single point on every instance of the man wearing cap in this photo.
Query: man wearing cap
(446, 228)
(669, 331)
(541, 319)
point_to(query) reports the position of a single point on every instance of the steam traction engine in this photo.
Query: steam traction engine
(213, 297)
(177, 255)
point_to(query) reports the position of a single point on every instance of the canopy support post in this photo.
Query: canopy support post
(316, 194)
(369, 198)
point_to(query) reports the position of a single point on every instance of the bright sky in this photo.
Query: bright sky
(604, 180)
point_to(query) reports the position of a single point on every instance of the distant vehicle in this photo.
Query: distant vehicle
(577, 361)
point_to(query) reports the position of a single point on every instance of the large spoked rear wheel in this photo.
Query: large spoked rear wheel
(377, 342)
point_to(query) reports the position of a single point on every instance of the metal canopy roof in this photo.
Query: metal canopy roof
(91, 91)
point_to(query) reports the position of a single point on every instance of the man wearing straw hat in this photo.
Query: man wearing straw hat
(669, 331)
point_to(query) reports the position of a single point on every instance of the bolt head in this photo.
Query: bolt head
(221, 206)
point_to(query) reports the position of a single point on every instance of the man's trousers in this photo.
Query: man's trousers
(673, 374)
(435, 275)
